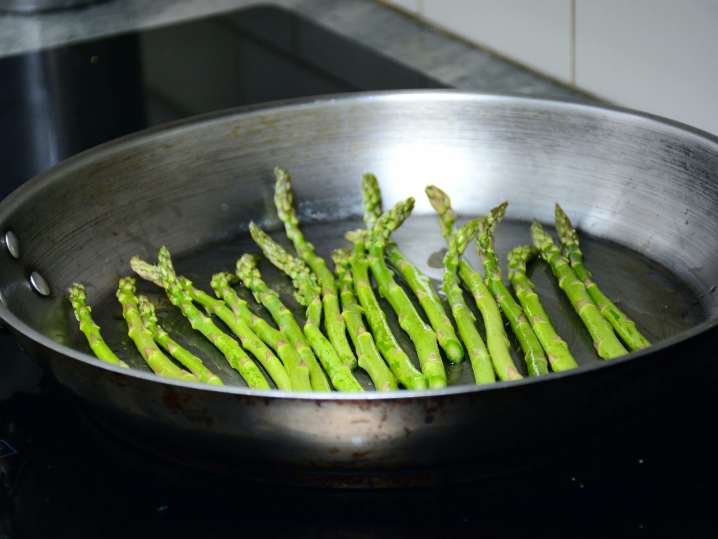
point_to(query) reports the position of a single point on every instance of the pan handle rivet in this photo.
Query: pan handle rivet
(39, 284)
(12, 244)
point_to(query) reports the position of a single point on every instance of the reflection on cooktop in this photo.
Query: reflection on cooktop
(57, 102)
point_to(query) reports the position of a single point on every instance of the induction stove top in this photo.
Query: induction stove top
(63, 476)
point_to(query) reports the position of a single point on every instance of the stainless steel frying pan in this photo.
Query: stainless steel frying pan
(644, 192)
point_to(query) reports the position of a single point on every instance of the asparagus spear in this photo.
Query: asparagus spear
(421, 334)
(296, 367)
(418, 282)
(247, 337)
(367, 353)
(496, 339)
(604, 340)
(533, 352)
(624, 326)
(465, 321)
(333, 321)
(559, 355)
(142, 338)
(308, 294)
(371, 200)
(181, 354)
(232, 351)
(396, 358)
(252, 279)
(83, 314)
(441, 203)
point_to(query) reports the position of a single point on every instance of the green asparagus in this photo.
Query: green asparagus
(534, 355)
(559, 355)
(605, 341)
(251, 278)
(395, 357)
(466, 323)
(177, 351)
(296, 367)
(308, 294)
(418, 282)
(232, 351)
(83, 314)
(333, 321)
(496, 338)
(624, 326)
(371, 200)
(421, 334)
(237, 325)
(142, 338)
(441, 203)
(367, 354)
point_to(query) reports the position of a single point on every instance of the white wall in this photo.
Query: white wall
(660, 56)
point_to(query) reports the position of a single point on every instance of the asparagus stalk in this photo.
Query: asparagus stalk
(429, 300)
(496, 338)
(333, 321)
(252, 279)
(559, 355)
(441, 203)
(622, 324)
(371, 200)
(83, 314)
(339, 374)
(604, 340)
(367, 353)
(308, 294)
(238, 326)
(534, 355)
(142, 338)
(395, 357)
(418, 282)
(296, 367)
(250, 341)
(181, 354)
(421, 334)
(232, 351)
(465, 321)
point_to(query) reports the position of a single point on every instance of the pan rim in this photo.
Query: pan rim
(37, 183)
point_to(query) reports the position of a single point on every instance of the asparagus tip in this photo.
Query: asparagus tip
(356, 236)
(280, 172)
(77, 290)
(441, 203)
(340, 256)
(565, 229)
(147, 309)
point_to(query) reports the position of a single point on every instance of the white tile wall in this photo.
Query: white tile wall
(537, 33)
(660, 56)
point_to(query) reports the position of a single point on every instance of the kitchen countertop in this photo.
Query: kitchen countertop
(439, 55)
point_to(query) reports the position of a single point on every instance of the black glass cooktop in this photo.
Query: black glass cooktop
(57, 102)
(62, 476)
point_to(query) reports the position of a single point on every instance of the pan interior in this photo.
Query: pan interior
(659, 301)
(643, 194)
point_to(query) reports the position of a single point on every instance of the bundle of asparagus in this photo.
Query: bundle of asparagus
(316, 355)
(418, 282)
(480, 357)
